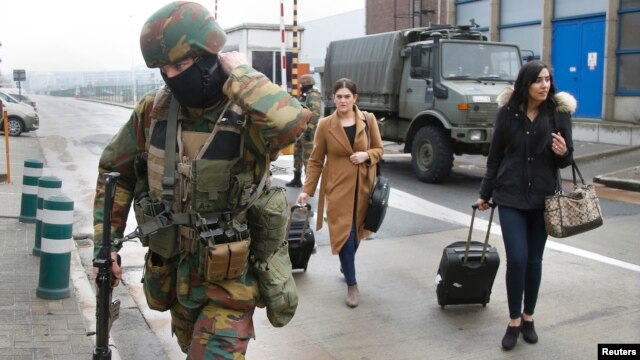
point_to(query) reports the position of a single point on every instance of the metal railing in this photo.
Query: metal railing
(118, 94)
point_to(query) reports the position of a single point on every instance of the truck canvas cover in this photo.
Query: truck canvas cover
(373, 62)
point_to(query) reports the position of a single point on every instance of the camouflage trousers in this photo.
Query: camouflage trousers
(302, 151)
(212, 332)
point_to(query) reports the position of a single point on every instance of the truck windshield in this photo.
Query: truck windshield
(478, 61)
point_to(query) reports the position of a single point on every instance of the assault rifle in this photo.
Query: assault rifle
(107, 311)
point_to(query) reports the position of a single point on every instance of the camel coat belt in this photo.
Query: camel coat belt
(344, 186)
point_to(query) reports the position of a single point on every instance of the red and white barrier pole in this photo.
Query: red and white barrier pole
(294, 58)
(283, 50)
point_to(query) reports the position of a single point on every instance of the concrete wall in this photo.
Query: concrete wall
(606, 132)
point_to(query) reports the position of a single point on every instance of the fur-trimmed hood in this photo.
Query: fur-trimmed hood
(565, 102)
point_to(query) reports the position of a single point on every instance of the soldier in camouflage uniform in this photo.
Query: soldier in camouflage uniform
(230, 122)
(312, 99)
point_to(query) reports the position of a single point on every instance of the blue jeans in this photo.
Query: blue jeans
(524, 238)
(348, 257)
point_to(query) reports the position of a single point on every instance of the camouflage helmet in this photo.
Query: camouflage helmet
(307, 80)
(177, 31)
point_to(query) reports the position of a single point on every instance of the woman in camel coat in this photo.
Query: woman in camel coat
(346, 149)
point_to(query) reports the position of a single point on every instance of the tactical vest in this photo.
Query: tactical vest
(209, 181)
(195, 218)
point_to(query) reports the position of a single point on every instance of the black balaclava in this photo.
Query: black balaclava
(304, 90)
(200, 85)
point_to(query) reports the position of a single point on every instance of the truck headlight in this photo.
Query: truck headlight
(477, 135)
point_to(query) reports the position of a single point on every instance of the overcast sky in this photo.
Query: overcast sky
(92, 35)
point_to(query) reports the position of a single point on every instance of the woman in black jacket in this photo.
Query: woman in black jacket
(531, 140)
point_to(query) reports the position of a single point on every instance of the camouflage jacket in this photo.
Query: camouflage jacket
(312, 100)
(275, 120)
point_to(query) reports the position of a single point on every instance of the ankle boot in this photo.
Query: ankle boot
(295, 182)
(529, 332)
(510, 338)
(352, 295)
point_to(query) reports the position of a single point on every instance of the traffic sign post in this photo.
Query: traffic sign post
(18, 76)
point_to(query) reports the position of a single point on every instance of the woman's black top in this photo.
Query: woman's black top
(351, 133)
(521, 167)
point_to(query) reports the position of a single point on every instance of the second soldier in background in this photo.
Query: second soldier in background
(312, 99)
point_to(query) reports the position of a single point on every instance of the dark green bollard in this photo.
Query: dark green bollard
(32, 172)
(55, 254)
(47, 186)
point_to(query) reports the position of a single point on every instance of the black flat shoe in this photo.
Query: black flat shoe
(510, 338)
(529, 332)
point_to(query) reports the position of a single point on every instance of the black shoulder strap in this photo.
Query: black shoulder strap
(366, 128)
(169, 178)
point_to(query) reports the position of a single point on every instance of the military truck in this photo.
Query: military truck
(433, 89)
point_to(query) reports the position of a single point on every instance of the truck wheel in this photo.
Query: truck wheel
(432, 154)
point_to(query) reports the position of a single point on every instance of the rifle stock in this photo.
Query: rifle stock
(107, 311)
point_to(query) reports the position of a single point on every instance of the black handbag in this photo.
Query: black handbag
(378, 203)
(379, 200)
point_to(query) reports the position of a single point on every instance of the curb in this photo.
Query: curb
(601, 154)
(611, 180)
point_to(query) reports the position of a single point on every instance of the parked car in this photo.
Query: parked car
(21, 117)
(20, 96)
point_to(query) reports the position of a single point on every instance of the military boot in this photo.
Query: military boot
(296, 182)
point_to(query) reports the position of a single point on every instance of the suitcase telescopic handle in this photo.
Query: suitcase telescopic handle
(486, 238)
(300, 206)
(307, 212)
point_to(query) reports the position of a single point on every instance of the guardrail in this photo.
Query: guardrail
(120, 94)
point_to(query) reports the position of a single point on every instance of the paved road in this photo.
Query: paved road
(589, 292)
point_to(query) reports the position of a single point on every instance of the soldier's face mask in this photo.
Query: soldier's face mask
(200, 85)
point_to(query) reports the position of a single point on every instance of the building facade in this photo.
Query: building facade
(593, 46)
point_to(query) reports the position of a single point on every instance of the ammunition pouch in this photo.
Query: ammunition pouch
(154, 227)
(221, 245)
(226, 261)
(159, 282)
(217, 187)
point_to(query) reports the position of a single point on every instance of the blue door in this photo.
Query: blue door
(578, 62)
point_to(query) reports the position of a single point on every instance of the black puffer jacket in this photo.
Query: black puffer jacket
(521, 167)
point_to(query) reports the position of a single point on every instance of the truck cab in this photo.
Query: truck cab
(434, 89)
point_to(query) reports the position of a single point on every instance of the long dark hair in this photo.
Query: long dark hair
(520, 100)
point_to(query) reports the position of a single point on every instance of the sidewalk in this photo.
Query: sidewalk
(30, 327)
(393, 293)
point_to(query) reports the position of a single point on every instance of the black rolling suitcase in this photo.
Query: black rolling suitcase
(467, 270)
(300, 236)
